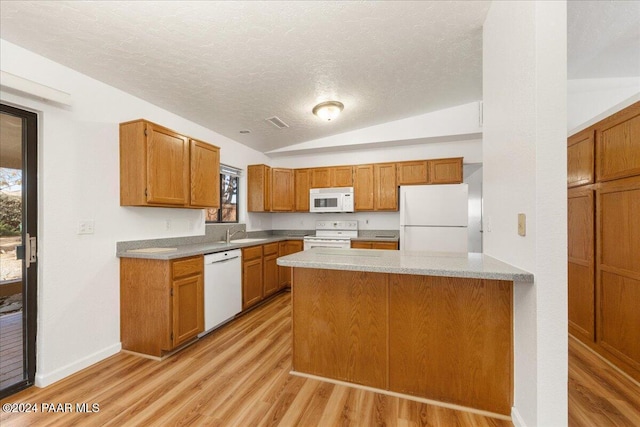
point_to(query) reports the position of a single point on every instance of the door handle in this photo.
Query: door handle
(30, 249)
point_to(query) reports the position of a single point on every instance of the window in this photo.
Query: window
(228, 212)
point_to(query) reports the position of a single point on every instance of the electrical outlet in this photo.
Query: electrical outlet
(487, 224)
(86, 226)
(522, 224)
(167, 224)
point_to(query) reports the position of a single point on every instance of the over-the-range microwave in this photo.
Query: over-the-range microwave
(339, 199)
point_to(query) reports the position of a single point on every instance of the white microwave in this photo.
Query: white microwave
(339, 199)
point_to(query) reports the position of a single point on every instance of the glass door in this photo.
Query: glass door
(18, 245)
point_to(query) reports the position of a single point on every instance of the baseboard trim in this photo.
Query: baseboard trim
(44, 380)
(516, 419)
(406, 396)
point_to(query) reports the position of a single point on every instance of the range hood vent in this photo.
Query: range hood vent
(277, 122)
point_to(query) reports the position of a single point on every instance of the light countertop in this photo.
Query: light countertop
(449, 264)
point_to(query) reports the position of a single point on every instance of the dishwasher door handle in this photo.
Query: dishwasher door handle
(222, 260)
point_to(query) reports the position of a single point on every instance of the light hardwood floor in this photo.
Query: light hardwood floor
(239, 376)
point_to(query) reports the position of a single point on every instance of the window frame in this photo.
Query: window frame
(232, 175)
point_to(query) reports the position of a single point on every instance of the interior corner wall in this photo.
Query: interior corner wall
(524, 171)
(78, 179)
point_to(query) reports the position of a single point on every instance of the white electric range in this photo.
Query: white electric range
(332, 234)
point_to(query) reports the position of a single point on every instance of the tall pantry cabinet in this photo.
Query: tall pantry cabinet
(603, 177)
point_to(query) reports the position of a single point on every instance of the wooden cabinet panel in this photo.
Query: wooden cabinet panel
(302, 186)
(351, 313)
(205, 174)
(187, 266)
(580, 160)
(445, 171)
(362, 244)
(252, 286)
(287, 248)
(581, 286)
(464, 355)
(363, 187)
(258, 188)
(188, 308)
(270, 273)
(341, 176)
(618, 145)
(385, 188)
(282, 199)
(252, 252)
(167, 166)
(320, 178)
(414, 172)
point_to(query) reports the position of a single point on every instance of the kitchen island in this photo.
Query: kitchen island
(432, 325)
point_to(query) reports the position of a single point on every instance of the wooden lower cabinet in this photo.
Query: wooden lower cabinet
(362, 244)
(161, 303)
(270, 269)
(287, 247)
(443, 338)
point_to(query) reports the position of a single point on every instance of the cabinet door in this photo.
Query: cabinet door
(320, 178)
(618, 271)
(363, 187)
(287, 248)
(282, 194)
(445, 171)
(205, 175)
(342, 176)
(251, 282)
(385, 187)
(618, 145)
(270, 271)
(581, 292)
(385, 245)
(302, 185)
(167, 166)
(580, 160)
(359, 244)
(188, 308)
(258, 188)
(412, 173)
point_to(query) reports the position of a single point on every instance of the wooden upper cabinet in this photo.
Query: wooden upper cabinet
(412, 173)
(341, 176)
(618, 145)
(580, 160)
(445, 171)
(205, 175)
(282, 195)
(259, 188)
(302, 184)
(320, 178)
(363, 187)
(160, 167)
(385, 196)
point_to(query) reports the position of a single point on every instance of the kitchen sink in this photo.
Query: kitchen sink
(248, 240)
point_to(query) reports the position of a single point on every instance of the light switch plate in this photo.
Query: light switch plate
(522, 224)
(86, 226)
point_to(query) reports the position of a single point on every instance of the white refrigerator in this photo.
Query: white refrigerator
(434, 218)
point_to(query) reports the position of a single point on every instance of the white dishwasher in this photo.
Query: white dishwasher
(222, 288)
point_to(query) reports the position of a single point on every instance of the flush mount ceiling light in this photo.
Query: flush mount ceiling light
(328, 110)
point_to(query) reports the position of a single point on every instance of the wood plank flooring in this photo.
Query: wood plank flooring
(11, 347)
(236, 376)
(239, 376)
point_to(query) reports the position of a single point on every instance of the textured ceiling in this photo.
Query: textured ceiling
(603, 39)
(230, 65)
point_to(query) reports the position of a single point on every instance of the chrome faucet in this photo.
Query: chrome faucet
(230, 234)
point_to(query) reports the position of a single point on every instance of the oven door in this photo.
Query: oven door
(327, 243)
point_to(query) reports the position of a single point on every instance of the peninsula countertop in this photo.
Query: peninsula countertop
(449, 264)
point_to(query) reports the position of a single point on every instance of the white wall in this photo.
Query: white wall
(78, 178)
(524, 84)
(590, 98)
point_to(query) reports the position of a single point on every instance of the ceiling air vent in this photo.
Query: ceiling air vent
(277, 122)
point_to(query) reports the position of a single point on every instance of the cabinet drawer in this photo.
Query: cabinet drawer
(251, 253)
(270, 248)
(188, 266)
